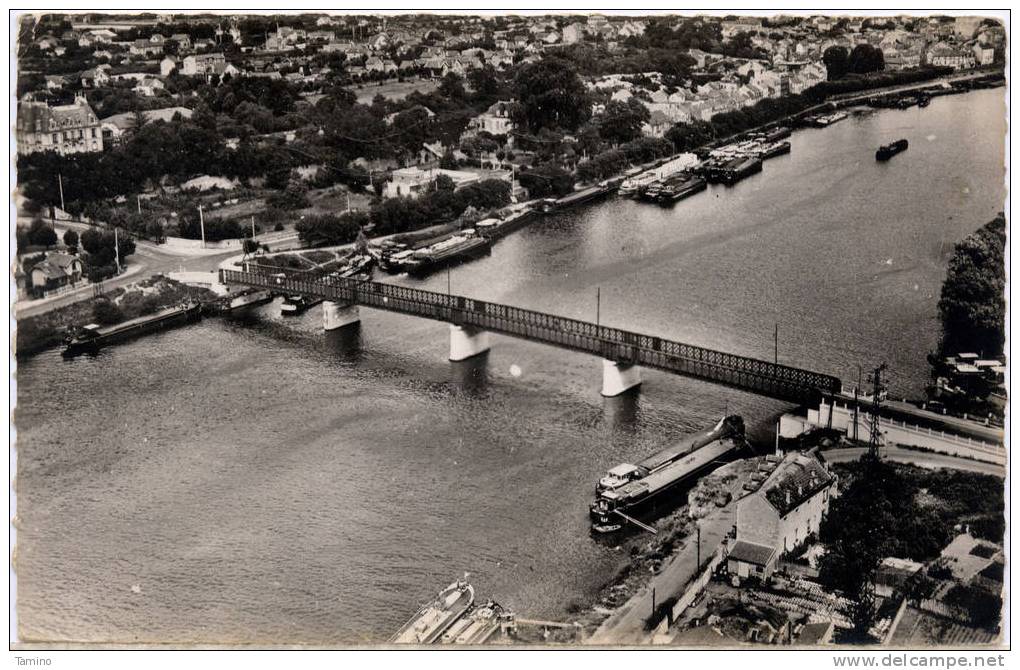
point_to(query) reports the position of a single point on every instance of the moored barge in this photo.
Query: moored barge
(92, 337)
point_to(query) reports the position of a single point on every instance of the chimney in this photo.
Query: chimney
(787, 496)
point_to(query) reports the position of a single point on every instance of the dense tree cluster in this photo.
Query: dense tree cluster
(399, 215)
(318, 230)
(972, 305)
(878, 514)
(551, 95)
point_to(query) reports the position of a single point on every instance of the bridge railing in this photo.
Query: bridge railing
(611, 343)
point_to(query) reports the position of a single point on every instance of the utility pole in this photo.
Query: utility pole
(138, 203)
(777, 344)
(201, 223)
(598, 304)
(876, 406)
(116, 247)
(698, 526)
(60, 185)
(348, 193)
(253, 227)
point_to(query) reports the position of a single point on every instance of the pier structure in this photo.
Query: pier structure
(623, 352)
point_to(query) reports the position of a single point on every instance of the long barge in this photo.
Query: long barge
(451, 251)
(433, 619)
(678, 190)
(629, 490)
(92, 337)
(576, 198)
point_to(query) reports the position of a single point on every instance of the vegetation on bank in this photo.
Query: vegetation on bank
(972, 305)
(35, 333)
(895, 510)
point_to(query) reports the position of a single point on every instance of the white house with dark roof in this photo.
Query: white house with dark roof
(777, 518)
(65, 129)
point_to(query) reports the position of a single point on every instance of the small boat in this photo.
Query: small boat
(887, 151)
(432, 620)
(297, 304)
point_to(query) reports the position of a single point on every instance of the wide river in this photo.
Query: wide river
(259, 481)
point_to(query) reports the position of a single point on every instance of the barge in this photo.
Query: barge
(576, 198)
(433, 619)
(674, 191)
(887, 151)
(738, 169)
(451, 251)
(92, 337)
(630, 489)
(478, 625)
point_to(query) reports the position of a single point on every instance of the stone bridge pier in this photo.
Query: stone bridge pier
(619, 377)
(337, 315)
(467, 341)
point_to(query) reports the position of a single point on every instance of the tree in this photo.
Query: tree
(40, 234)
(70, 238)
(688, 136)
(971, 306)
(106, 312)
(622, 121)
(865, 58)
(452, 86)
(445, 183)
(837, 62)
(328, 229)
(547, 179)
(551, 95)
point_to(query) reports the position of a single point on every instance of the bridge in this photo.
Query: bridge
(623, 352)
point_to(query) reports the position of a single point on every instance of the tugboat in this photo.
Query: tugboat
(432, 620)
(887, 151)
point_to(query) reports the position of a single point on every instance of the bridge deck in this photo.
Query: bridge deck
(749, 374)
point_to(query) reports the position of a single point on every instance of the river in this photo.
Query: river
(259, 481)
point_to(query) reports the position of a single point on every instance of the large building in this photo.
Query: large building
(777, 518)
(65, 129)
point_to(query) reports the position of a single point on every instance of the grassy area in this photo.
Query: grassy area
(393, 90)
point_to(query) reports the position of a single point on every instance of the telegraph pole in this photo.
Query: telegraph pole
(201, 223)
(598, 304)
(60, 185)
(777, 344)
(253, 227)
(138, 203)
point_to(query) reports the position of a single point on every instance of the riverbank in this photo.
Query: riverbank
(38, 333)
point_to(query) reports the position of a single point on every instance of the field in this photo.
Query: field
(393, 90)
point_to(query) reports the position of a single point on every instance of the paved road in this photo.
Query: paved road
(626, 625)
(147, 257)
(921, 458)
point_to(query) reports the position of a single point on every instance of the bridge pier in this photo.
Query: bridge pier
(467, 341)
(619, 377)
(337, 315)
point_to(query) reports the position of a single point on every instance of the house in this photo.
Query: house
(114, 127)
(428, 113)
(66, 129)
(983, 54)
(183, 42)
(201, 63)
(148, 87)
(943, 55)
(495, 120)
(657, 125)
(57, 270)
(55, 81)
(412, 182)
(142, 47)
(167, 65)
(781, 515)
(94, 78)
(573, 33)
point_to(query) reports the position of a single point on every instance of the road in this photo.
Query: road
(923, 459)
(149, 260)
(626, 625)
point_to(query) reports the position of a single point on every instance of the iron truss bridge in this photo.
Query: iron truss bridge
(782, 382)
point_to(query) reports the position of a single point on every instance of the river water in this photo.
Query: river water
(259, 481)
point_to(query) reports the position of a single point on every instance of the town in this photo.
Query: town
(174, 166)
